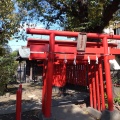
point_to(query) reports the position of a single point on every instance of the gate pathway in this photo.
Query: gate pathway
(63, 108)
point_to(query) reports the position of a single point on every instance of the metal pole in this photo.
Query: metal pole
(107, 75)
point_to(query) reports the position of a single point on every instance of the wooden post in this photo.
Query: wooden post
(107, 75)
(49, 77)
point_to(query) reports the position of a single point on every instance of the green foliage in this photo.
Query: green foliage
(8, 67)
(106, 105)
(9, 20)
(75, 15)
(115, 77)
(117, 100)
(9, 23)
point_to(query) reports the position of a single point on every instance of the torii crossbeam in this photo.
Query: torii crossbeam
(57, 50)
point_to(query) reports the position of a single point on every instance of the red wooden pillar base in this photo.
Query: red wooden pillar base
(48, 91)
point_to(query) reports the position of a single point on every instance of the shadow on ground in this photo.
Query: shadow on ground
(28, 115)
(36, 85)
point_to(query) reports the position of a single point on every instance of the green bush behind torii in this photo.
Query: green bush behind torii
(8, 66)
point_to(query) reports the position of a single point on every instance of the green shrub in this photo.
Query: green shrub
(8, 66)
(117, 100)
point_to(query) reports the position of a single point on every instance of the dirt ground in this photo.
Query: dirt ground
(28, 115)
(31, 93)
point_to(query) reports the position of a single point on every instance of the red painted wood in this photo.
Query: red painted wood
(101, 86)
(107, 75)
(49, 78)
(90, 85)
(66, 49)
(42, 46)
(39, 48)
(59, 77)
(44, 87)
(94, 86)
(61, 50)
(70, 34)
(35, 41)
(97, 88)
(19, 102)
(115, 51)
(38, 56)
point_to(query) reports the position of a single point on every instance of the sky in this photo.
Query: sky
(16, 44)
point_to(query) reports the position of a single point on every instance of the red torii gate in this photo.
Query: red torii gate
(54, 52)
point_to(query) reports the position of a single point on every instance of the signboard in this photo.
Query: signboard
(81, 42)
(24, 52)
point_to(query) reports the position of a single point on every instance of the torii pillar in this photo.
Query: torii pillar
(107, 74)
(47, 88)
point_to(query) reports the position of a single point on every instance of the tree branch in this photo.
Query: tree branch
(108, 14)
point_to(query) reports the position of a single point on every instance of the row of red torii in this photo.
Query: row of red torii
(59, 57)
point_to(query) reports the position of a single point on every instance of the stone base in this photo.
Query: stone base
(42, 117)
(94, 113)
(110, 115)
